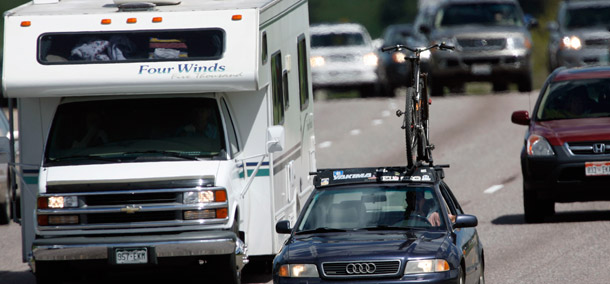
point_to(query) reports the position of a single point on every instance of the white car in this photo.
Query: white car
(343, 57)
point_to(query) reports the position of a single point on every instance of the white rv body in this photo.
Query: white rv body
(265, 180)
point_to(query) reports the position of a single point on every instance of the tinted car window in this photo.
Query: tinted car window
(587, 17)
(576, 99)
(485, 14)
(337, 39)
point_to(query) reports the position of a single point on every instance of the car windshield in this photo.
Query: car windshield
(375, 207)
(162, 128)
(337, 40)
(576, 99)
(479, 14)
(596, 16)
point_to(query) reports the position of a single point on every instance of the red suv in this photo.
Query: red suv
(566, 154)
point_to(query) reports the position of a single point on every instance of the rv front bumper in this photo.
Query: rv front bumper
(188, 244)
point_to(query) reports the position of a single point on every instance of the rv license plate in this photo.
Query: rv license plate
(131, 256)
(597, 168)
(480, 69)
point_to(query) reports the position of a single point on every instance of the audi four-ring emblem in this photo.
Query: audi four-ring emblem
(360, 268)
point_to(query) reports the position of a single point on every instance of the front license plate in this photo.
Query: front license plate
(131, 256)
(480, 69)
(597, 168)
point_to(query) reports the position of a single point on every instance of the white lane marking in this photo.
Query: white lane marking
(377, 122)
(492, 189)
(385, 113)
(325, 144)
(355, 132)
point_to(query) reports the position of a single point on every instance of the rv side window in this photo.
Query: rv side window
(286, 90)
(264, 53)
(278, 89)
(230, 128)
(303, 79)
(134, 46)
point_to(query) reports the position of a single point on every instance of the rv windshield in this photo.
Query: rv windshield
(135, 130)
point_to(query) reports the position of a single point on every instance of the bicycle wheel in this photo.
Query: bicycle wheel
(408, 125)
(423, 151)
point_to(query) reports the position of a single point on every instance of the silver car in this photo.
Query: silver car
(343, 57)
(580, 36)
(492, 43)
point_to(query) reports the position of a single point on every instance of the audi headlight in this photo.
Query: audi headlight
(298, 270)
(426, 266)
(571, 42)
(538, 146)
(370, 59)
(317, 61)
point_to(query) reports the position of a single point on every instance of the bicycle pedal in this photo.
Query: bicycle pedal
(399, 113)
(431, 147)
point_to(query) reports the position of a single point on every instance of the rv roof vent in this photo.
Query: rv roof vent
(156, 2)
(45, 1)
(136, 6)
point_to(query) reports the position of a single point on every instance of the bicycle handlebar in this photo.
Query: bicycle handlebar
(441, 46)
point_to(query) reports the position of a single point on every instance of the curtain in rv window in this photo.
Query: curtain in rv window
(135, 46)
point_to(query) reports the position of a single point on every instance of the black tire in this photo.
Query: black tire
(525, 84)
(423, 149)
(535, 210)
(499, 87)
(437, 89)
(5, 207)
(408, 125)
(461, 277)
(48, 273)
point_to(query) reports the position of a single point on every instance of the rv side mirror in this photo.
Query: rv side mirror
(5, 150)
(283, 227)
(275, 139)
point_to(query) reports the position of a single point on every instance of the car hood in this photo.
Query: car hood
(352, 50)
(365, 245)
(478, 31)
(591, 33)
(557, 132)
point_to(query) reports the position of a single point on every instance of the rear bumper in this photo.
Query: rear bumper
(158, 246)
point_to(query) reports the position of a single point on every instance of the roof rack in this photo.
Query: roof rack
(342, 176)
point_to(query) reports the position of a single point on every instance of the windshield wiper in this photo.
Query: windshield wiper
(384, 228)
(164, 153)
(321, 230)
(84, 157)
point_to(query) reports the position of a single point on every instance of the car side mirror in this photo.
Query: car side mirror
(275, 139)
(532, 22)
(521, 117)
(424, 29)
(5, 150)
(465, 221)
(283, 227)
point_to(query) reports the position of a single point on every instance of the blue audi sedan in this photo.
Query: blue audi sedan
(381, 225)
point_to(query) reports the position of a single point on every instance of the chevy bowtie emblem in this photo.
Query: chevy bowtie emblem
(129, 209)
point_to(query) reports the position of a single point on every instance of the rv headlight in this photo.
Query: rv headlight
(58, 202)
(426, 266)
(298, 270)
(205, 196)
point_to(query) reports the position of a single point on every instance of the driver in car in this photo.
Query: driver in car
(418, 207)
